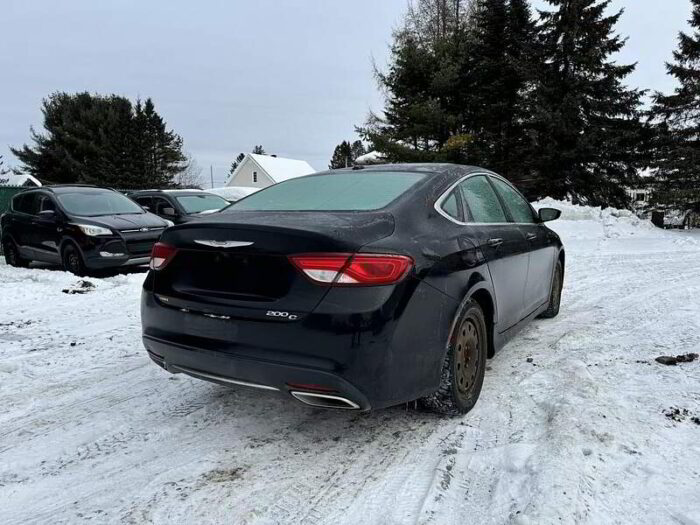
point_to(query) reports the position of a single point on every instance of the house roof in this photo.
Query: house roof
(10, 179)
(281, 169)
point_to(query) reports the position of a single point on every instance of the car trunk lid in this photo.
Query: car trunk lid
(236, 264)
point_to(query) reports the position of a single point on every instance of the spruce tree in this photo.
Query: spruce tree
(103, 140)
(586, 120)
(235, 163)
(258, 150)
(502, 65)
(677, 156)
(342, 156)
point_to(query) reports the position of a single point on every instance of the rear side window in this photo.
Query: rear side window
(25, 203)
(451, 206)
(347, 191)
(482, 201)
(519, 208)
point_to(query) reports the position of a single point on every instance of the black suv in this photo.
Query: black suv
(179, 205)
(82, 227)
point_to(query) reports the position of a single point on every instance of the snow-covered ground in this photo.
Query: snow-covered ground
(91, 430)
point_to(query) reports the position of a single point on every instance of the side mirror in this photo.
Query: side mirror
(549, 214)
(169, 211)
(47, 214)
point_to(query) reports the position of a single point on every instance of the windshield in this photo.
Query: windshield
(201, 203)
(95, 202)
(346, 191)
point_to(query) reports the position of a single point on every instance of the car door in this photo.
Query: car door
(502, 244)
(24, 207)
(46, 230)
(541, 246)
(160, 204)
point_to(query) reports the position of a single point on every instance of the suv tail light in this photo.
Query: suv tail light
(353, 270)
(161, 255)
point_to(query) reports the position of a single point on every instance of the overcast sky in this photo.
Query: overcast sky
(292, 75)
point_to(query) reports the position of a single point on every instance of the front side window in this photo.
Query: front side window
(349, 191)
(92, 203)
(482, 201)
(518, 206)
(46, 204)
(201, 203)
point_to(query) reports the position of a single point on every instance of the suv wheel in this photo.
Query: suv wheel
(12, 256)
(465, 363)
(72, 261)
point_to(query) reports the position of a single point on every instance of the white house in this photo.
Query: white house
(260, 171)
(10, 179)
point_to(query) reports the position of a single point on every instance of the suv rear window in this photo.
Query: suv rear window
(354, 191)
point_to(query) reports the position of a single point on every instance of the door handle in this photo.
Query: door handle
(495, 243)
(531, 236)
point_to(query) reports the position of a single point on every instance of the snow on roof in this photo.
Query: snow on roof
(233, 193)
(281, 169)
(9, 179)
(373, 157)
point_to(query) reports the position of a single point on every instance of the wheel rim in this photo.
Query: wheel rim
(467, 348)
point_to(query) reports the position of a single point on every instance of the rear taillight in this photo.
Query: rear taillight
(161, 255)
(353, 270)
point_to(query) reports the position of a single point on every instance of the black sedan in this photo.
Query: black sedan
(355, 289)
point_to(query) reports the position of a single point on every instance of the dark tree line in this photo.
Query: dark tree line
(104, 140)
(539, 99)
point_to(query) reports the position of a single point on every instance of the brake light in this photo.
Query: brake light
(353, 270)
(161, 255)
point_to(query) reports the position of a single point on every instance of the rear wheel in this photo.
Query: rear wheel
(12, 256)
(555, 297)
(72, 260)
(463, 370)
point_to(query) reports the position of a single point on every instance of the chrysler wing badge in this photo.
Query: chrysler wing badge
(223, 244)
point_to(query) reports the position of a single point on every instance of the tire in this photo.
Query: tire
(12, 256)
(555, 295)
(462, 374)
(73, 261)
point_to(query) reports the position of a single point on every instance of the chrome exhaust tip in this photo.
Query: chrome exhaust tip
(325, 401)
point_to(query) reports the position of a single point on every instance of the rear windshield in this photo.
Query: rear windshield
(346, 191)
(93, 203)
(200, 203)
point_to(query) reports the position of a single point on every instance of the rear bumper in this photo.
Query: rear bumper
(235, 371)
(390, 353)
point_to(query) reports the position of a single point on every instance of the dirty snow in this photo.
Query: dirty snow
(591, 430)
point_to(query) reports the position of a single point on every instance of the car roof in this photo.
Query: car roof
(168, 192)
(72, 188)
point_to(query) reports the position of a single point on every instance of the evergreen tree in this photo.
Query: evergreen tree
(423, 118)
(259, 150)
(3, 170)
(102, 140)
(586, 121)
(235, 163)
(502, 66)
(677, 156)
(345, 154)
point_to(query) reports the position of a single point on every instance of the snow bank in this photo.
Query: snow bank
(592, 223)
